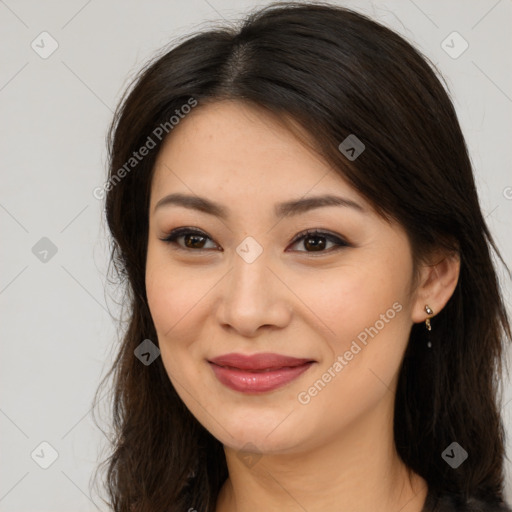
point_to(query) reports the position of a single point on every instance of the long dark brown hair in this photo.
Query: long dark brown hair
(335, 72)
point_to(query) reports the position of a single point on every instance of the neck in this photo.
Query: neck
(357, 471)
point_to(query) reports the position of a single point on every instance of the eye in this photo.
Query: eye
(193, 238)
(316, 240)
(313, 239)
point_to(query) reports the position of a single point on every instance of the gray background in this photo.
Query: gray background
(57, 332)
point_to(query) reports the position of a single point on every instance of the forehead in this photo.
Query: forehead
(230, 146)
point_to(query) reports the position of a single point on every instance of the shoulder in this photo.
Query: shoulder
(448, 502)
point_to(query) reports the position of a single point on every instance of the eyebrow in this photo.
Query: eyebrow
(293, 207)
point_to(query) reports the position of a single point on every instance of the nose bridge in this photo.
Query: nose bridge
(250, 279)
(251, 297)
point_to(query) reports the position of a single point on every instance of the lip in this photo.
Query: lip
(258, 373)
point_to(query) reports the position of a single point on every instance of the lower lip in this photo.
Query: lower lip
(257, 382)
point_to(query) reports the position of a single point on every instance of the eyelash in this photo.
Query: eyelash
(179, 232)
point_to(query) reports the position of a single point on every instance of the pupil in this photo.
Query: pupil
(193, 237)
(317, 246)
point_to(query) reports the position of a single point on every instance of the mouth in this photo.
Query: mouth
(259, 373)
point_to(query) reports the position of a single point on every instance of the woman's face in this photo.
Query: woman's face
(341, 302)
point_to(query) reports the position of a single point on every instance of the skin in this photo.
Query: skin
(338, 448)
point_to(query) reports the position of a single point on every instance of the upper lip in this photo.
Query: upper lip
(263, 361)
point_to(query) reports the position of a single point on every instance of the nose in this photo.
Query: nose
(253, 297)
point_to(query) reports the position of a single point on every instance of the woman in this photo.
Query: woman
(315, 319)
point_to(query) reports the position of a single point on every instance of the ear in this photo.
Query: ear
(437, 282)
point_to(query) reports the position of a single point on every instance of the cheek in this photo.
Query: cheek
(169, 300)
(174, 304)
(364, 313)
(179, 303)
(174, 294)
(352, 299)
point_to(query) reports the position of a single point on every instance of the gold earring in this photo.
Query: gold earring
(427, 321)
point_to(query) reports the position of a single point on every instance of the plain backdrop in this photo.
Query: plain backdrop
(57, 331)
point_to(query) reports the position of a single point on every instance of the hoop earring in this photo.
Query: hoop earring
(427, 324)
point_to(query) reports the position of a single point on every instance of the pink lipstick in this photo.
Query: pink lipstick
(258, 373)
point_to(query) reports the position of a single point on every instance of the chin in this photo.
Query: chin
(261, 437)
